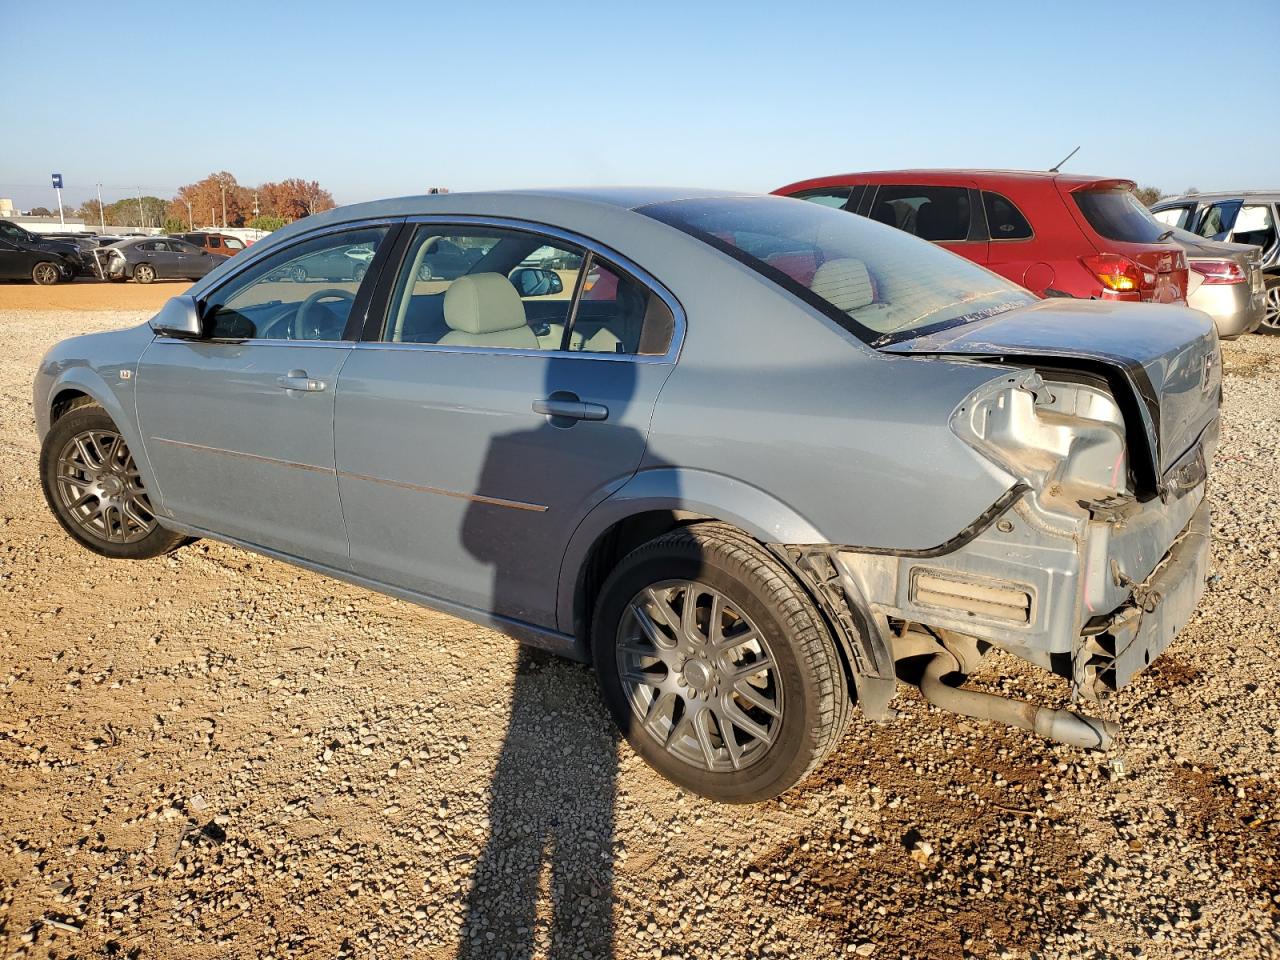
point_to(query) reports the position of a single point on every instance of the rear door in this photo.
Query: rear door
(947, 215)
(1013, 250)
(475, 428)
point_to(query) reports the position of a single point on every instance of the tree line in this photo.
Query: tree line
(216, 201)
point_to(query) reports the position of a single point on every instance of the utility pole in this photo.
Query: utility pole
(142, 217)
(102, 216)
(191, 216)
(255, 204)
(223, 185)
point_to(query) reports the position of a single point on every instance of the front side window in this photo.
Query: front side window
(879, 285)
(1217, 219)
(513, 289)
(1004, 220)
(931, 213)
(1119, 215)
(302, 292)
(841, 198)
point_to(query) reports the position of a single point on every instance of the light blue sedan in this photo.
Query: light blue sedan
(754, 458)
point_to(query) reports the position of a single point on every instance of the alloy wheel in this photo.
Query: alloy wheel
(143, 273)
(46, 274)
(700, 677)
(1272, 318)
(100, 489)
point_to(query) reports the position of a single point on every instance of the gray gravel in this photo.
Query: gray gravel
(213, 754)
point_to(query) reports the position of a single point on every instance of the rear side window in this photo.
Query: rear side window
(931, 213)
(1179, 217)
(1118, 215)
(214, 242)
(1004, 220)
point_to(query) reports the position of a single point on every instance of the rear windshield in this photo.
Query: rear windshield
(878, 283)
(1119, 215)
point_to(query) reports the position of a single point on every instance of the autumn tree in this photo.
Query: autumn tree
(40, 212)
(1148, 195)
(206, 198)
(293, 199)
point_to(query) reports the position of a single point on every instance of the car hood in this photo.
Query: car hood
(1161, 361)
(64, 247)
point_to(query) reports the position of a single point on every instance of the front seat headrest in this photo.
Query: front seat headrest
(483, 303)
(844, 283)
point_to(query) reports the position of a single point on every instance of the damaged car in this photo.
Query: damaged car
(758, 461)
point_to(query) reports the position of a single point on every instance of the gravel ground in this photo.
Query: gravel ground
(216, 755)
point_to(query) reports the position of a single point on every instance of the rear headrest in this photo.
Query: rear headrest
(483, 303)
(844, 283)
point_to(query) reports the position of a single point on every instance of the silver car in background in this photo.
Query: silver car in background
(1226, 281)
(753, 458)
(1243, 216)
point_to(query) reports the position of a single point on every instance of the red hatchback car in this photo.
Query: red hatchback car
(1057, 234)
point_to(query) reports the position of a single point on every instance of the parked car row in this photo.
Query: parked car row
(763, 460)
(1068, 235)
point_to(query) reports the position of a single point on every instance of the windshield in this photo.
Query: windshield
(1119, 215)
(878, 283)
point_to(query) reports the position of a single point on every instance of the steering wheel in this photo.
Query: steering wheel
(302, 324)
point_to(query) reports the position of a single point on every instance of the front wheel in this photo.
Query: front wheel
(717, 666)
(144, 273)
(1271, 319)
(46, 273)
(93, 487)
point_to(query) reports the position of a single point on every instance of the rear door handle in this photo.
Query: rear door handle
(569, 406)
(298, 380)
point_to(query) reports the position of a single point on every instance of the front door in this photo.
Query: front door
(238, 426)
(482, 426)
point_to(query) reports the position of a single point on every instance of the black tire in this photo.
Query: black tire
(46, 273)
(297, 273)
(78, 422)
(814, 694)
(144, 273)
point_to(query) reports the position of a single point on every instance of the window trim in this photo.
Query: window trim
(371, 335)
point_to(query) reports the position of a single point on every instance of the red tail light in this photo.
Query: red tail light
(1218, 271)
(1116, 272)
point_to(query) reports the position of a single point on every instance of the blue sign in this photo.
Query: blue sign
(57, 181)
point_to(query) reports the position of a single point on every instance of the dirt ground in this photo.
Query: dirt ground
(86, 294)
(216, 755)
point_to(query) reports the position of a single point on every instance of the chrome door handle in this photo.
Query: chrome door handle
(570, 407)
(298, 380)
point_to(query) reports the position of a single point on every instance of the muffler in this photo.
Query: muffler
(1063, 726)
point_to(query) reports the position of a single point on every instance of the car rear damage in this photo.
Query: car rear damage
(1095, 557)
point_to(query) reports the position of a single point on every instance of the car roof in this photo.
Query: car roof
(1272, 195)
(1072, 181)
(485, 201)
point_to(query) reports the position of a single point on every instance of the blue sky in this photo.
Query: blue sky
(380, 99)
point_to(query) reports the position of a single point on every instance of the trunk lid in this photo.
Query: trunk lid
(1163, 359)
(1116, 222)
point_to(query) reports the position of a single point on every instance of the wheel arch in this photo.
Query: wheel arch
(650, 504)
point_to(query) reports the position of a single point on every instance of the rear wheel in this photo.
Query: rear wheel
(94, 488)
(1271, 320)
(297, 273)
(144, 273)
(716, 665)
(46, 273)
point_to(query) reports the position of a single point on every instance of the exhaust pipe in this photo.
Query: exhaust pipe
(1061, 725)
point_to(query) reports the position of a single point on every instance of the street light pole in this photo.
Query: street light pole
(223, 184)
(191, 216)
(142, 217)
(102, 216)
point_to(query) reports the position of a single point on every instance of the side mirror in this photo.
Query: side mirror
(536, 282)
(179, 317)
